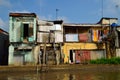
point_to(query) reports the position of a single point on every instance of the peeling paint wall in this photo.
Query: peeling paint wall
(83, 46)
(22, 31)
(22, 28)
(73, 46)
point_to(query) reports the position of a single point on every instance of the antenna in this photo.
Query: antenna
(57, 13)
(117, 12)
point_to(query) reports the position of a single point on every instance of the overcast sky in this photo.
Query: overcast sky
(71, 11)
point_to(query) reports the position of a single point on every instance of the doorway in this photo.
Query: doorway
(71, 56)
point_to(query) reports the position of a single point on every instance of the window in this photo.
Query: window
(25, 30)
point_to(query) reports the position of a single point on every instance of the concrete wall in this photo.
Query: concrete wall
(23, 35)
(77, 46)
(17, 28)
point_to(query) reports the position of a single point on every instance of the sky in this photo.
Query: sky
(71, 11)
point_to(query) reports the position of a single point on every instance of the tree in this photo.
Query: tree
(110, 43)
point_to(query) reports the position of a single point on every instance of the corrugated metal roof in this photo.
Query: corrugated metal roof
(83, 25)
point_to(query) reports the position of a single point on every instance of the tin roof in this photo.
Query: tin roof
(83, 25)
(22, 14)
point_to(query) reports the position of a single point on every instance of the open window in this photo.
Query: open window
(27, 32)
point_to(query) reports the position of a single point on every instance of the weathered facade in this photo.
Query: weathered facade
(54, 42)
(33, 40)
(22, 32)
(84, 42)
(50, 38)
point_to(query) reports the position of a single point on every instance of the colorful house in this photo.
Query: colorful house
(75, 43)
(84, 42)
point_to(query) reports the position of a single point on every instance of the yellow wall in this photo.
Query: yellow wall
(69, 46)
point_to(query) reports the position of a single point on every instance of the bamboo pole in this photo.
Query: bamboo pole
(44, 53)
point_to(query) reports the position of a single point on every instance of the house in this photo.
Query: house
(53, 42)
(50, 38)
(33, 40)
(84, 42)
(4, 44)
(22, 37)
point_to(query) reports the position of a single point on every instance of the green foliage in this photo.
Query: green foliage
(114, 60)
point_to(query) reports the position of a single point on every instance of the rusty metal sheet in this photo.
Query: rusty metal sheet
(83, 37)
(82, 56)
